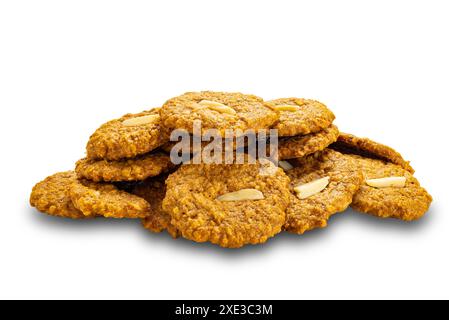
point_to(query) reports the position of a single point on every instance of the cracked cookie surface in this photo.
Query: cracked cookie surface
(314, 212)
(241, 111)
(309, 116)
(136, 169)
(51, 196)
(116, 140)
(192, 201)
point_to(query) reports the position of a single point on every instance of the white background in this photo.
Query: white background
(68, 66)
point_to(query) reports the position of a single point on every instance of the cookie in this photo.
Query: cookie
(313, 210)
(300, 146)
(229, 205)
(301, 116)
(136, 169)
(153, 190)
(51, 196)
(106, 200)
(217, 110)
(409, 202)
(350, 144)
(406, 202)
(128, 136)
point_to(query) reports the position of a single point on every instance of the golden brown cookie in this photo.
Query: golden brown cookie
(136, 169)
(153, 190)
(300, 146)
(128, 136)
(301, 116)
(229, 205)
(217, 110)
(51, 196)
(342, 180)
(350, 144)
(106, 200)
(409, 202)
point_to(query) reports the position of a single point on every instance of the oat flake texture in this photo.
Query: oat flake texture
(191, 200)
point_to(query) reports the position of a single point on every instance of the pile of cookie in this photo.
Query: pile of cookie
(128, 173)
